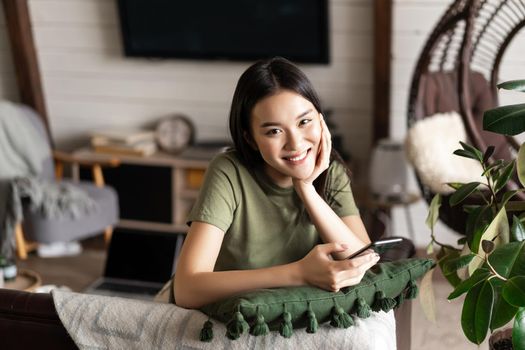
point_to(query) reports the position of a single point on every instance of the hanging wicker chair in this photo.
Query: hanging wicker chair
(458, 71)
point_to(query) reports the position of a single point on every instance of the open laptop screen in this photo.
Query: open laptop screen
(141, 256)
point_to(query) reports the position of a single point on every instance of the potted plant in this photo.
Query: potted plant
(489, 265)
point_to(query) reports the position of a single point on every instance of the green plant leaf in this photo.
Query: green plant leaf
(502, 311)
(477, 312)
(477, 277)
(455, 185)
(505, 120)
(517, 231)
(513, 85)
(521, 164)
(444, 255)
(477, 222)
(497, 232)
(494, 165)
(433, 211)
(514, 291)
(455, 264)
(509, 259)
(507, 196)
(465, 153)
(518, 330)
(462, 193)
(426, 296)
(504, 177)
(478, 155)
(488, 153)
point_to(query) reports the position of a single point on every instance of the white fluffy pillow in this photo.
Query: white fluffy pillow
(430, 144)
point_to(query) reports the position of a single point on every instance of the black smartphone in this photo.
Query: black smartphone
(378, 246)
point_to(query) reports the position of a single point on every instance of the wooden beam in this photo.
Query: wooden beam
(382, 68)
(24, 56)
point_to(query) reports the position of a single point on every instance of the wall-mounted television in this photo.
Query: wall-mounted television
(240, 30)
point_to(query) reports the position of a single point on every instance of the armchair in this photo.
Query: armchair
(36, 227)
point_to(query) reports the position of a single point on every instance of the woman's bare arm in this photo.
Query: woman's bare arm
(196, 284)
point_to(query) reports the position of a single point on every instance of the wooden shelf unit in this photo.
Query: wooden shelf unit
(183, 192)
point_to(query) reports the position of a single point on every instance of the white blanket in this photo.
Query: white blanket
(100, 322)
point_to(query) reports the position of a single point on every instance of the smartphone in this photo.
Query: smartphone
(378, 246)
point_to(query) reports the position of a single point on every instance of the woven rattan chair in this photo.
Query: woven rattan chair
(458, 71)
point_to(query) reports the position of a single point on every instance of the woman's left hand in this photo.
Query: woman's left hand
(323, 156)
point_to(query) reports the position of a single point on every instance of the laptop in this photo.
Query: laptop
(138, 264)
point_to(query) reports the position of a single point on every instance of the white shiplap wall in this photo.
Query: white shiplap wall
(89, 84)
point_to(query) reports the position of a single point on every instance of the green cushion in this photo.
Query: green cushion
(383, 287)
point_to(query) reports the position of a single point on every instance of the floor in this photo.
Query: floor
(79, 271)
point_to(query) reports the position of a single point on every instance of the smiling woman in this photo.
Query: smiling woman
(277, 209)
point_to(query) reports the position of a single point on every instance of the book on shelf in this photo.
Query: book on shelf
(140, 148)
(122, 136)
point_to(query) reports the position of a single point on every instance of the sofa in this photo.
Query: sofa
(30, 321)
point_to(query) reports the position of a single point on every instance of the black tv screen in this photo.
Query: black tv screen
(239, 30)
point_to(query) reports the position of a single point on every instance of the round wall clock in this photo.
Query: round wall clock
(175, 133)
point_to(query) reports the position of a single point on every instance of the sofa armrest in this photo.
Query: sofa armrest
(29, 321)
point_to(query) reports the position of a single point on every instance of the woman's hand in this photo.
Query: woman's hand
(318, 268)
(323, 156)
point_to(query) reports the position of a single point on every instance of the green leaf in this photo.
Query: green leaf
(507, 196)
(504, 177)
(477, 277)
(433, 211)
(505, 120)
(477, 312)
(473, 150)
(455, 185)
(477, 222)
(497, 232)
(462, 240)
(517, 231)
(521, 164)
(430, 248)
(444, 255)
(462, 193)
(502, 311)
(494, 165)
(465, 153)
(513, 85)
(426, 296)
(514, 291)
(488, 153)
(498, 225)
(509, 259)
(518, 331)
(455, 264)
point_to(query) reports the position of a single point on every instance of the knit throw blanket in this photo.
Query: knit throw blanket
(101, 322)
(22, 152)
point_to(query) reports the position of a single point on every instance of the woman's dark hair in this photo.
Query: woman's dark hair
(262, 79)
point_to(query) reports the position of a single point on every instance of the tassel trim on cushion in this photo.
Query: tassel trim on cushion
(312, 324)
(286, 327)
(260, 327)
(363, 309)
(400, 299)
(340, 318)
(382, 302)
(412, 290)
(207, 331)
(236, 326)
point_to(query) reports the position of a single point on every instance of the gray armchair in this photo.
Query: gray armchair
(39, 228)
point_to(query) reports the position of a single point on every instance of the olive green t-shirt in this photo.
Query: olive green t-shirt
(264, 224)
